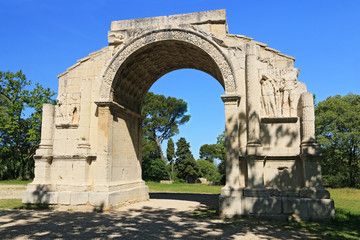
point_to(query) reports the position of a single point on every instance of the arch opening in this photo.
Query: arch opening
(203, 101)
(146, 65)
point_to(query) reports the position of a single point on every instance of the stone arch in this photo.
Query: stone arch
(208, 53)
(91, 156)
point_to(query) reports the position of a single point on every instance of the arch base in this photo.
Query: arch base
(90, 200)
(281, 208)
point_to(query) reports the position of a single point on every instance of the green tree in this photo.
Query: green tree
(4, 105)
(170, 155)
(221, 154)
(163, 116)
(207, 170)
(153, 167)
(185, 163)
(338, 133)
(20, 132)
(208, 152)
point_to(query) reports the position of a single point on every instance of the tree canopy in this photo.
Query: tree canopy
(20, 123)
(163, 116)
(208, 152)
(207, 170)
(338, 133)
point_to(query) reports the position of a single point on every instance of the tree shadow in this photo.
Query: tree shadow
(211, 201)
(138, 223)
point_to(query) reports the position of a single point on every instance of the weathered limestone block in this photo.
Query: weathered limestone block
(212, 22)
(79, 198)
(64, 198)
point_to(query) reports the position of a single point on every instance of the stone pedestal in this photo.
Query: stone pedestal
(121, 194)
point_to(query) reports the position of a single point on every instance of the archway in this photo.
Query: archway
(133, 70)
(94, 132)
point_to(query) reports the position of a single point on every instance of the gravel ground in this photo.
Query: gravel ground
(11, 191)
(164, 216)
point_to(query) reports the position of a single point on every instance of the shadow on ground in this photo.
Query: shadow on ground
(138, 223)
(210, 200)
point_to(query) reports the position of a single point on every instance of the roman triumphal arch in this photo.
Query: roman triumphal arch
(90, 150)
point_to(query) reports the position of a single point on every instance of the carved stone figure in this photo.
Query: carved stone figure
(288, 87)
(268, 96)
(278, 97)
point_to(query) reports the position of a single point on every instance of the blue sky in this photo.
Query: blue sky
(45, 37)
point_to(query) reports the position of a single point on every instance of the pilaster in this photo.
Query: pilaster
(310, 152)
(308, 141)
(43, 157)
(104, 143)
(253, 94)
(85, 118)
(47, 131)
(232, 187)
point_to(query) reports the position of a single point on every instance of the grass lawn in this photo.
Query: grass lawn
(183, 188)
(17, 204)
(15, 182)
(10, 203)
(347, 199)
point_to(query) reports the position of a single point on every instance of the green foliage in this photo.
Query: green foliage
(170, 155)
(183, 150)
(208, 152)
(20, 132)
(153, 167)
(221, 154)
(207, 170)
(154, 170)
(338, 133)
(149, 149)
(163, 116)
(170, 150)
(185, 164)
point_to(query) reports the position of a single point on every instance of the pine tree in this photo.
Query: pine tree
(185, 163)
(163, 116)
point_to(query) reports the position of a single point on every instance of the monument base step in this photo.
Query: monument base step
(87, 200)
(282, 208)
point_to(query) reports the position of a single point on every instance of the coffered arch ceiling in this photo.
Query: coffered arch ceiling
(146, 65)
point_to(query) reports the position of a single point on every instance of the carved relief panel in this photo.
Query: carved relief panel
(280, 90)
(67, 109)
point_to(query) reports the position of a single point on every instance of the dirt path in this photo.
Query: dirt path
(11, 191)
(165, 216)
